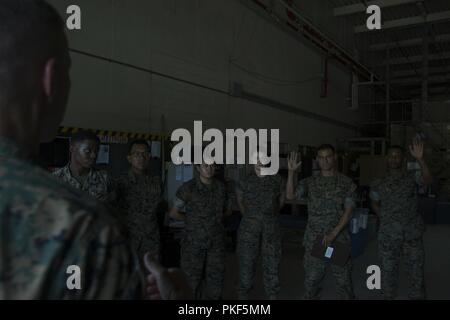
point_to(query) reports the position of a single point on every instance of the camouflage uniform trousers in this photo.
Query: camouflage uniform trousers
(259, 236)
(203, 261)
(391, 248)
(145, 242)
(315, 270)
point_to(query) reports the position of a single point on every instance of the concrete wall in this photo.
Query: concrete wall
(439, 111)
(207, 42)
(436, 122)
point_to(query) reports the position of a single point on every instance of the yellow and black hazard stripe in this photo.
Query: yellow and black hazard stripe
(67, 131)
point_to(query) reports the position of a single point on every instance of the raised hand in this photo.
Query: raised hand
(294, 161)
(416, 148)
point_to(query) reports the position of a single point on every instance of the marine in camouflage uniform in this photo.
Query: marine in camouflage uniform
(48, 226)
(203, 245)
(84, 147)
(138, 197)
(330, 200)
(97, 183)
(401, 228)
(327, 198)
(261, 198)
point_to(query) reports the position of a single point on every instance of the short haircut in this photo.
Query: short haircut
(326, 146)
(31, 32)
(395, 147)
(138, 142)
(84, 135)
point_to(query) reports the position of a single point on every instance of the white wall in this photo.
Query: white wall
(195, 40)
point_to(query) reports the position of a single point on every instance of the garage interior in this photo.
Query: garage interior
(312, 69)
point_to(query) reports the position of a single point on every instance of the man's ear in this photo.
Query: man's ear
(48, 77)
(71, 147)
(129, 159)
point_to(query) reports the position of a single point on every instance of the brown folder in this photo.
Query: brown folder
(340, 255)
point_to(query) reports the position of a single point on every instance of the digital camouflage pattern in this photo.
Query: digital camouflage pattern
(203, 246)
(327, 198)
(97, 183)
(259, 232)
(138, 198)
(400, 233)
(48, 226)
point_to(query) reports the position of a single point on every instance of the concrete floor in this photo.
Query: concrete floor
(437, 269)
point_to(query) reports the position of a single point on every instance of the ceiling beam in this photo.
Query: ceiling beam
(361, 8)
(412, 59)
(434, 89)
(413, 73)
(413, 80)
(440, 97)
(407, 43)
(409, 22)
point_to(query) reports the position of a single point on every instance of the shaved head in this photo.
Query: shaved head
(34, 65)
(395, 157)
(31, 32)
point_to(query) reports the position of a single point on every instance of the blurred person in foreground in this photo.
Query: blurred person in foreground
(48, 226)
